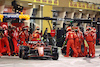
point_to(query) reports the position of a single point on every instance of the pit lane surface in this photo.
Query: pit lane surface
(15, 61)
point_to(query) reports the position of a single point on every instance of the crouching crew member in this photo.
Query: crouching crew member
(36, 35)
(22, 37)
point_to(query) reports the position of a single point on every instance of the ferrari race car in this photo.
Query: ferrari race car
(38, 49)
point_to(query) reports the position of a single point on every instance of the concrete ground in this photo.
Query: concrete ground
(15, 61)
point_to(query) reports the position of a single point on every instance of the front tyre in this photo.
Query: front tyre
(24, 55)
(20, 52)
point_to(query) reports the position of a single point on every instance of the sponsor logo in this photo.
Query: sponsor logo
(11, 16)
(34, 42)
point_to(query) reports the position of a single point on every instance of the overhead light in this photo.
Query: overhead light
(42, 5)
(54, 11)
(30, 4)
(90, 3)
(75, 0)
(89, 18)
(80, 10)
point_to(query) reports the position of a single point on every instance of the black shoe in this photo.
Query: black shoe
(89, 56)
(86, 56)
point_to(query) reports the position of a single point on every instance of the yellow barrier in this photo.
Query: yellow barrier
(47, 13)
(1, 17)
(26, 17)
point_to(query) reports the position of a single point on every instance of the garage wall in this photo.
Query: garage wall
(47, 13)
(94, 1)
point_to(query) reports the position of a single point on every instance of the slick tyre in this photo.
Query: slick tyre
(24, 55)
(63, 51)
(20, 53)
(55, 56)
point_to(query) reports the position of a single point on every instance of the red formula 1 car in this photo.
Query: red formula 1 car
(38, 49)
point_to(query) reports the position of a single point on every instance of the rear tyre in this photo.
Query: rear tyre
(63, 51)
(55, 56)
